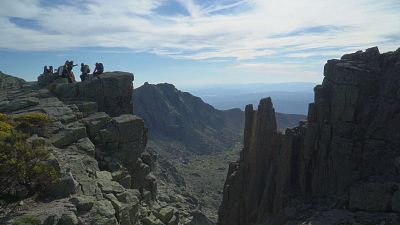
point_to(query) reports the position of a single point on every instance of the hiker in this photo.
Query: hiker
(60, 71)
(70, 65)
(70, 75)
(64, 71)
(45, 70)
(85, 72)
(51, 70)
(99, 69)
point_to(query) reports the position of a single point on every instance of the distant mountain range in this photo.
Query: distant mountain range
(180, 116)
(292, 98)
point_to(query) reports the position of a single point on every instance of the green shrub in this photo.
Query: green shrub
(22, 163)
(32, 120)
(27, 220)
(3, 117)
(5, 129)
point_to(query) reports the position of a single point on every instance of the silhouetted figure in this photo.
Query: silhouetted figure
(45, 70)
(69, 65)
(99, 69)
(51, 71)
(64, 73)
(85, 72)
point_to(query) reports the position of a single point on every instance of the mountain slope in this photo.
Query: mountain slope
(180, 116)
(7, 81)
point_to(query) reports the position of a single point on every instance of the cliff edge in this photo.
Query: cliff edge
(94, 167)
(340, 167)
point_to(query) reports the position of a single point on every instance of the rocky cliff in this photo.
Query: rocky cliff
(97, 148)
(197, 140)
(7, 81)
(340, 167)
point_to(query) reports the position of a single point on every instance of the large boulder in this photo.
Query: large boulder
(103, 213)
(112, 91)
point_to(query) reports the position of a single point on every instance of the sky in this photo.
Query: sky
(194, 42)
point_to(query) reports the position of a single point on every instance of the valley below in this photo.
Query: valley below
(195, 141)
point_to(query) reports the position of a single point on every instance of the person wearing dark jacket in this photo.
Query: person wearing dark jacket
(99, 69)
(45, 70)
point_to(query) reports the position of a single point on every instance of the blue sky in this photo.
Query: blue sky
(194, 42)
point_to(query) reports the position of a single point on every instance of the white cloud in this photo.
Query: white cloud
(254, 29)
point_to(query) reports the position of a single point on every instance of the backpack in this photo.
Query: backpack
(101, 68)
(87, 70)
(60, 71)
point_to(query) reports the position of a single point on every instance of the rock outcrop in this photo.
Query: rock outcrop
(340, 167)
(8, 82)
(186, 132)
(112, 91)
(99, 147)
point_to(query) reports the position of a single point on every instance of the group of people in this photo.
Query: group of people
(65, 71)
(48, 70)
(85, 70)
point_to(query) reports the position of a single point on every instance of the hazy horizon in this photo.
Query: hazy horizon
(193, 42)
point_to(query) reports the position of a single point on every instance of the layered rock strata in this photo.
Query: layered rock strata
(340, 167)
(105, 170)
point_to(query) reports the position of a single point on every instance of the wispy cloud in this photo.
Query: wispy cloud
(237, 29)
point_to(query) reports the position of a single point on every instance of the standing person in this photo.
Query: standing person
(71, 65)
(85, 72)
(45, 70)
(70, 74)
(65, 69)
(51, 71)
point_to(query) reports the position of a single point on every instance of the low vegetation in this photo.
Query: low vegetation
(27, 220)
(23, 157)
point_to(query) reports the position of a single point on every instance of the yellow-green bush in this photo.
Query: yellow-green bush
(22, 163)
(5, 129)
(27, 220)
(3, 117)
(32, 119)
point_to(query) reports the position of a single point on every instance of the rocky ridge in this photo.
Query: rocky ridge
(172, 114)
(99, 147)
(340, 167)
(7, 81)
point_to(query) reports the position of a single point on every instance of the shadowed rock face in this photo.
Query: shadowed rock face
(112, 91)
(345, 159)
